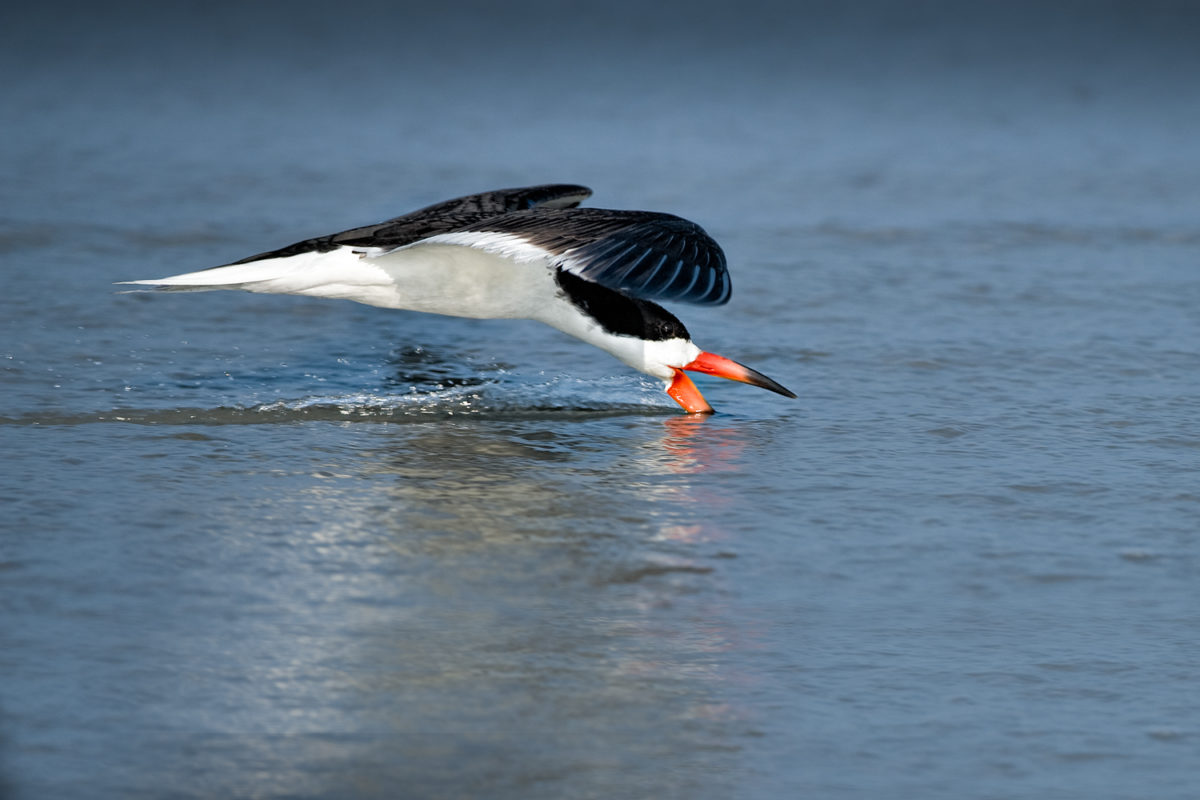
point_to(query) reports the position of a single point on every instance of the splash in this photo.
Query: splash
(565, 396)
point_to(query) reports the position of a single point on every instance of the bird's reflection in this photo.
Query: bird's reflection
(491, 601)
(558, 578)
(700, 444)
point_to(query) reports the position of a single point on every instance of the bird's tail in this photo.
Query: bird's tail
(312, 273)
(234, 276)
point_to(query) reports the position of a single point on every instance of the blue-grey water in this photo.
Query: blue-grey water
(271, 547)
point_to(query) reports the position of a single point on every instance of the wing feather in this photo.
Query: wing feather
(643, 254)
(442, 217)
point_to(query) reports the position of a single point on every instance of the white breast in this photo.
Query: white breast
(447, 278)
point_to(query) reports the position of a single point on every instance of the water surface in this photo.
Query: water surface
(276, 547)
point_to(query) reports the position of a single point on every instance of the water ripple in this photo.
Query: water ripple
(559, 398)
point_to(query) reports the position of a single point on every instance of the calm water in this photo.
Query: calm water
(270, 547)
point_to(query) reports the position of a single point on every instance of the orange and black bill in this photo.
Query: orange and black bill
(684, 392)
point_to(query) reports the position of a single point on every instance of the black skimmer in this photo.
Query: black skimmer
(527, 253)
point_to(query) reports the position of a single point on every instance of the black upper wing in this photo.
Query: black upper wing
(438, 218)
(504, 201)
(642, 254)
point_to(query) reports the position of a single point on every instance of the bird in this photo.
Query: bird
(521, 253)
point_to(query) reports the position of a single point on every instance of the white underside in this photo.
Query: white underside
(479, 275)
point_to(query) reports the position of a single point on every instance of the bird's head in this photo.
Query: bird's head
(645, 336)
(684, 392)
(673, 358)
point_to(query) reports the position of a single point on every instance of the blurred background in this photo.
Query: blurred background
(275, 547)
